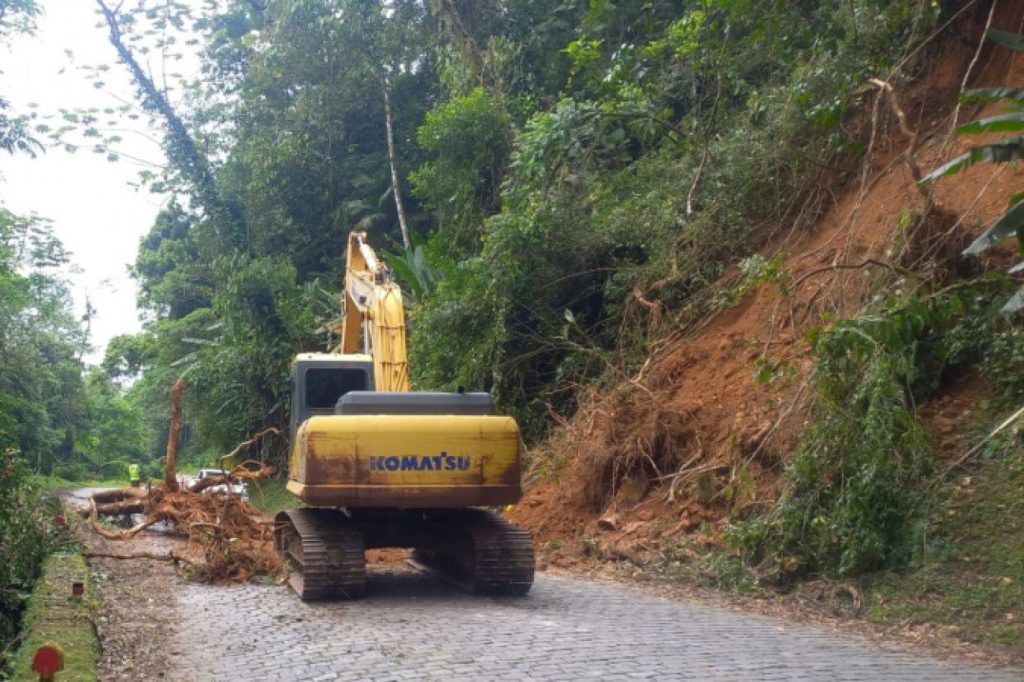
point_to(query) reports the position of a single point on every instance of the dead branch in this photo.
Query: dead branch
(996, 431)
(236, 475)
(909, 156)
(951, 136)
(173, 556)
(656, 309)
(850, 266)
(251, 441)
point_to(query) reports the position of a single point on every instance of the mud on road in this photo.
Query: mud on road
(138, 606)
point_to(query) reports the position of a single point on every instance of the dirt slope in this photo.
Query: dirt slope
(695, 437)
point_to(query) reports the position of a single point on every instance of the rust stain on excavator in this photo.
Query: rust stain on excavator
(324, 466)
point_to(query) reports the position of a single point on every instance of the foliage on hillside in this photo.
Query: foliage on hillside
(570, 171)
(861, 485)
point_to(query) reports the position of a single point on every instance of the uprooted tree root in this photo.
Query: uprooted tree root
(228, 539)
(640, 439)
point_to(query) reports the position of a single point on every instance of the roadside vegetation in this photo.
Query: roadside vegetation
(864, 481)
(967, 579)
(271, 497)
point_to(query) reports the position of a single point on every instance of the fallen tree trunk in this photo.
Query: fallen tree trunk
(173, 556)
(117, 508)
(119, 495)
(94, 521)
(118, 502)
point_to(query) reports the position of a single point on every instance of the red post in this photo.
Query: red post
(49, 660)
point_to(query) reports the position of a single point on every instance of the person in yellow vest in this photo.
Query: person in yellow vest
(133, 475)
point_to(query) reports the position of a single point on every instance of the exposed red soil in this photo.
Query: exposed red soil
(956, 413)
(696, 439)
(389, 555)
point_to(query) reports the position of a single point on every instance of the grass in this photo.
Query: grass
(57, 483)
(271, 497)
(968, 583)
(54, 616)
(972, 582)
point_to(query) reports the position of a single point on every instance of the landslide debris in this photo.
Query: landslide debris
(229, 540)
(701, 434)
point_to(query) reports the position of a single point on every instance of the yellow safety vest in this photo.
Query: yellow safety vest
(133, 472)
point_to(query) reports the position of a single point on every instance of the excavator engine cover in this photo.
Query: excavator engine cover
(421, 460)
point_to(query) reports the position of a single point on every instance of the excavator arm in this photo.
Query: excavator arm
(374, 313)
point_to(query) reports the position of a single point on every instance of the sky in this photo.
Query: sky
(95, 211)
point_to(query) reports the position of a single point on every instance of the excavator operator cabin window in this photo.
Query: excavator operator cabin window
(325, 386)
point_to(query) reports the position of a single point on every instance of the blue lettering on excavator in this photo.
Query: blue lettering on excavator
(442, 462)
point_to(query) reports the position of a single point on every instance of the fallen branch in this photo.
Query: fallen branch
(173, 556)
(851, 266)
(238, 474)
(909, 155)
(970, 453)
(251, 441)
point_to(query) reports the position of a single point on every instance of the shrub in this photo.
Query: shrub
(859, 487)
(24, 541)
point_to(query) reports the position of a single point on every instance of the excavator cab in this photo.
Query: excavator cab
(319, 380)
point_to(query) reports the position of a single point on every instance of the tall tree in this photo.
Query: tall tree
(180, 146)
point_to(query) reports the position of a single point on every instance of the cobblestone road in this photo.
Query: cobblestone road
(411, 627)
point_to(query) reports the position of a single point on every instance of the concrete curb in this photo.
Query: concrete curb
(55, 616)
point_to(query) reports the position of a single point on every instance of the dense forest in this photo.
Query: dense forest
(543, 174)
(563, 188)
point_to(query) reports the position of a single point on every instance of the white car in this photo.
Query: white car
(236, 488)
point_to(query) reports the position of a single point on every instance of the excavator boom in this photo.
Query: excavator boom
(374, 311)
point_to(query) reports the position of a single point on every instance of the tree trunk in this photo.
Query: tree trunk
(396, 186)
(119, 495)
(462, 37)
(170, 474)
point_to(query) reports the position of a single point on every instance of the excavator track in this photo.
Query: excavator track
(324, 552)
(487, 555)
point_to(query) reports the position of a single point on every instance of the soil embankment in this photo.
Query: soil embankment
(703, 432)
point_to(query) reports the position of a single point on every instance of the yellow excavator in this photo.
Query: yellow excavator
(381, 466)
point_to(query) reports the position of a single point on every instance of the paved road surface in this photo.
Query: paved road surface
(412, 627)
